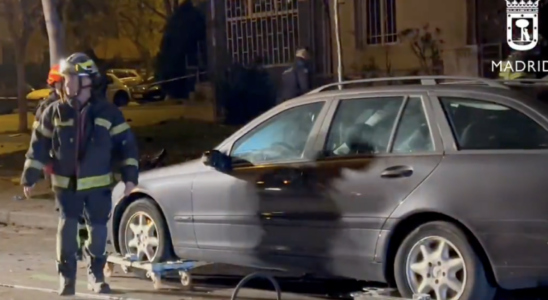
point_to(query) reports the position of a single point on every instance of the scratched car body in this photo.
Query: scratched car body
(434, 188)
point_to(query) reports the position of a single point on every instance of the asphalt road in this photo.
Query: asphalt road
(27, 260)
(28, 273)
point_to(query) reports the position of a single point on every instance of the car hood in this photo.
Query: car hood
(131, 81)
(185, 168)
(188, 167)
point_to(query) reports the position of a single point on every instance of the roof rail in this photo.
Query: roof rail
(524, 82)
(425, 80)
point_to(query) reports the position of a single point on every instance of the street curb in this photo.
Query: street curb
(29, 219)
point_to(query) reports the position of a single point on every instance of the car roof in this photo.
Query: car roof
(491, 92)
(452, 88)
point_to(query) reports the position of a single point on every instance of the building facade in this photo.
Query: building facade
(242, 31)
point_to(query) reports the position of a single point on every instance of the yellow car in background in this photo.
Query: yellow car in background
(35, 96)
(117, 92)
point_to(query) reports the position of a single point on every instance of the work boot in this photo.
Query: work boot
(99, 287)
(67, 287)
(67, 278)
(96, 276)
(80, 254)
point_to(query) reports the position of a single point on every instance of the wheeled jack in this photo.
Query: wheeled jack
(155, 271)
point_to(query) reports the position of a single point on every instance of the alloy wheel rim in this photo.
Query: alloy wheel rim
(436, 267)
(141, 235)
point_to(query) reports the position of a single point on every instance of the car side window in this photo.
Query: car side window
(109, 79)
(281, 138)
(483, 125)
(413, 134)
(120, 74)
(362, 126)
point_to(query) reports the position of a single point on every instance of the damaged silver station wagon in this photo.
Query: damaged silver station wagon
(437, 187)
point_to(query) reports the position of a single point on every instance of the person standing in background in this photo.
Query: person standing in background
(296, 80)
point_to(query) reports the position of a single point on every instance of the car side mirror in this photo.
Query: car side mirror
(217, 160)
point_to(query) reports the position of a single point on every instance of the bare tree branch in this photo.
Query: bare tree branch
(22, 18)
(153, 9)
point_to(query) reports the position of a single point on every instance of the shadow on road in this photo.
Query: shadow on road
(220, 287)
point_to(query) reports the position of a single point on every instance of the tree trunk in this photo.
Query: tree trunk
(56, 34)
(21, 92)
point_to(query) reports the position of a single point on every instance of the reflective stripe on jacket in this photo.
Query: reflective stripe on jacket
(82, 183)
(105, 137)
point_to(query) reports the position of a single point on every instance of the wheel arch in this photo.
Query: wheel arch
(121, 207)
(409, 223)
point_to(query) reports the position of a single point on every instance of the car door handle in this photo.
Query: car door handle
(289, 175)
(397, 172)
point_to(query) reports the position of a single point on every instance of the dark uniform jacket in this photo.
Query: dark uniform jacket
(295, 80)
(81, 145)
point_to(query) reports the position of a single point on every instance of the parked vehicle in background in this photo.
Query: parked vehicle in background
(117, 92)
(37, 95)
(34, 96)
(436, 188)
(148, 90)
(129, 77)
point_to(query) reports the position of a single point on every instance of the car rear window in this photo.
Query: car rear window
(483, 125)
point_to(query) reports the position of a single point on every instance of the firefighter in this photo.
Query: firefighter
(82, 131)
(55, 82)
(296, 80)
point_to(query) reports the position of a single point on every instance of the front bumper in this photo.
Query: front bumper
(149, 95)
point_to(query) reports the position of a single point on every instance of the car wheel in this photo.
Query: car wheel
(436, 259)
(143, 233)
(121, 99)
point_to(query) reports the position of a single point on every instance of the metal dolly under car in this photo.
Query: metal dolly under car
(155, 271)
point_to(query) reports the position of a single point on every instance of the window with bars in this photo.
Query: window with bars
(375, 22)
(262, 29)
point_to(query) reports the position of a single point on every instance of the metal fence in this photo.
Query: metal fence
(262, 29)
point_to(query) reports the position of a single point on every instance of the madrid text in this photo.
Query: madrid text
(520, 66)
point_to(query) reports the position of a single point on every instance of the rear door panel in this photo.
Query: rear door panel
(364, 199)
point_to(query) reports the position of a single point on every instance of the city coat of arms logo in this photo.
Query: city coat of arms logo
(522, 24)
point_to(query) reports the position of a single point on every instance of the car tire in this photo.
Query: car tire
(476, 284)
(148, 208)
(121, 99)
